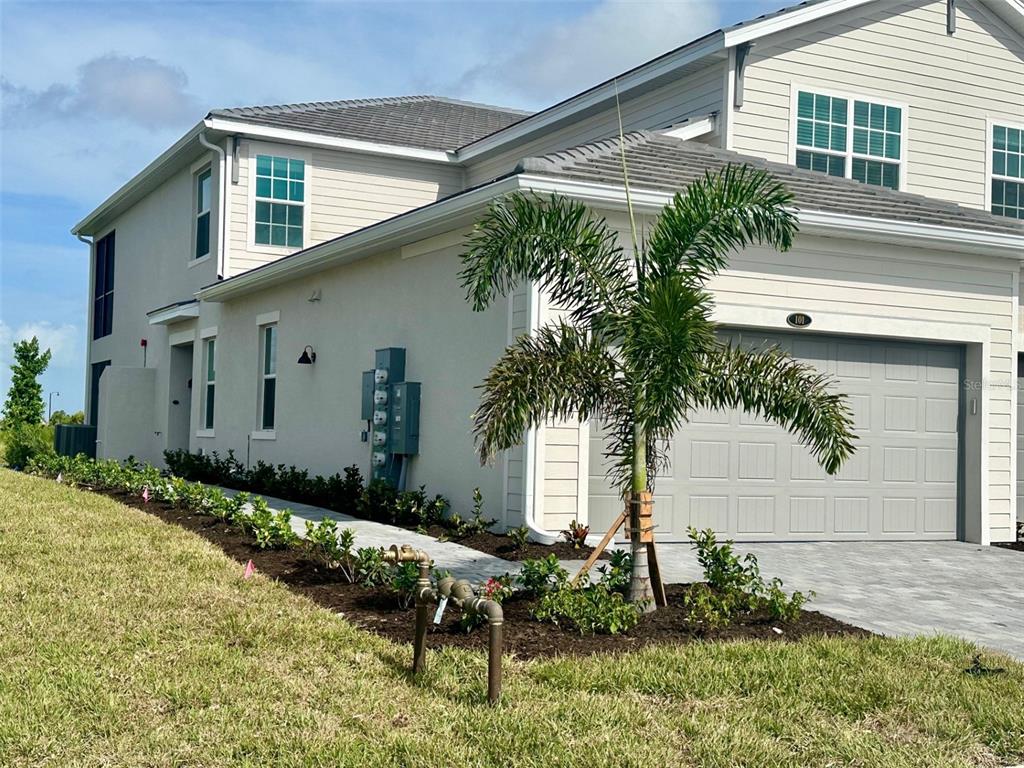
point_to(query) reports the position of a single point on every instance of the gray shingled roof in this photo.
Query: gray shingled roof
(663, 163)
(426, 122)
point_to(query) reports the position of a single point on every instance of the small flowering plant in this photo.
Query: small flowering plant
(497, 588)
(576, 534)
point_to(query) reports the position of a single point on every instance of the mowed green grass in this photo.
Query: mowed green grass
(125, 641)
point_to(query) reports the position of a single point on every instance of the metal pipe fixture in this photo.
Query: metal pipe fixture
(461, 593)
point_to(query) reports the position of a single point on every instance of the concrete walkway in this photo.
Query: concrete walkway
(893, 588)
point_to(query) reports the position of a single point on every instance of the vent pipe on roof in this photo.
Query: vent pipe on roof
(222, 197)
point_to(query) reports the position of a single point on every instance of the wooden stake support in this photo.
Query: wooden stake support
(602, 545)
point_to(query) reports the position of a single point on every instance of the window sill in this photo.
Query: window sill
(264, 434)
(275, 250)
(204, 433)
(200, 260)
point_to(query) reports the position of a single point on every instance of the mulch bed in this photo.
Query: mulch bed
(377, 609)
(1018, 545)
(501, 546)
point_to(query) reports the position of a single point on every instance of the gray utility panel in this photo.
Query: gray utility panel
(750, 480)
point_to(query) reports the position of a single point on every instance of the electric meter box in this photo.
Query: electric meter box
(367, 402)
(405, 418)
(392, 360)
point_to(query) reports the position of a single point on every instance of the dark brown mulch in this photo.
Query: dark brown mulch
(1018, 545)
(377, 609)
(501, 546)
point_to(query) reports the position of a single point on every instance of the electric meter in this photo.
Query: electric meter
(380, 417)
(380, 376)
(379, 457)
(379, 438)
(380, 397)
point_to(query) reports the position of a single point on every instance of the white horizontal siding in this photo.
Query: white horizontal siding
(695, 94)
(346, 191)
(897, 52)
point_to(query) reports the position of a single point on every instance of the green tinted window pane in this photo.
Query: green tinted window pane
(860, 114)
(999, 137)
(803, 160)
(820, 163)
(1013, 166)
(892, 119)
(1013, 140)
(838, 138)
(263, 234)
(210, 389)
(821, 136)
(202, 235)
(278, 214)
(263, 212)
(999, 163)
(281, 167)
(875, 174)
(858, 169)
(998, 190)
(1013, 195)
(891, 176)
(822, 107)
(209, 360)
(295, 191)
(804, 133)
(203, 192)
(892, 146)
(263, 165)
(294, 215)
(296, 170)
(839, 111)
(295, 237)
(277, 235)
(805, 104)
(860, 141)
(269, 401)
(876, 143)
(877, 117)
(262, 187)
(280, 189)
(837, 166)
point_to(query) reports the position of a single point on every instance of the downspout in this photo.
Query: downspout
(221, 204)
(533, 482)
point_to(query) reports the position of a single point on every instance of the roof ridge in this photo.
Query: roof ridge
(308, 106)
(564, 157)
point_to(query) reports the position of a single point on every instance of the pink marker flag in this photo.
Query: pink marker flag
(250, 569)
(145, 493)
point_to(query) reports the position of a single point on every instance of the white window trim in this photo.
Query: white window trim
(280, 150)
(205, 395)
(794, 95)
(205, 433)
(990, 124)
(262, 377)
(195, 169)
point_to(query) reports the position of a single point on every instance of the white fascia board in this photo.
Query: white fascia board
(597, 95)
(137, 181)
(289, 136)
(173, 314)
(693, 128)
(758, 29)
(394, 232)
(811, 222)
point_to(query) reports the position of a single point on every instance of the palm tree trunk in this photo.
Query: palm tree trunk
(640, 577)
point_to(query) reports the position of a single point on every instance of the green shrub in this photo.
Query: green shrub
(616, 574)
(541, 575)
(403, 581)
(589, 610)
(576, 534)
(25, 442)
(520, 537)
(331, 547)
(496, 588)
(371, 570)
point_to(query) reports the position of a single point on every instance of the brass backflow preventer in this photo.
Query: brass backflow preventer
(461, 593)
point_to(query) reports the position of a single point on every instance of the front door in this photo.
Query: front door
(179, 395)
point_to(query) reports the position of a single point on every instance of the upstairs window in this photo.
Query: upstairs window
(863, 143)
(103, 288)
(203, 188)
(210, 390)
(280, 197)
(1008, 171)
(268, 376)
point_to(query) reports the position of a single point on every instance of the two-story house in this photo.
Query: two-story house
(263, 258)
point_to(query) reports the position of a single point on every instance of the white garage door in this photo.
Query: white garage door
(753, 481)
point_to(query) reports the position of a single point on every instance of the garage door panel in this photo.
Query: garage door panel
(748, 479)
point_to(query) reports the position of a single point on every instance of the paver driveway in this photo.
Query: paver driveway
(895, 588)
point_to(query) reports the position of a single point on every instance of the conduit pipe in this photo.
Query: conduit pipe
(461, 593)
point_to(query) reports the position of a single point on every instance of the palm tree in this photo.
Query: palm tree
(636, 346)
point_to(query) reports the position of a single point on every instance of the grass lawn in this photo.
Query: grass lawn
(126, 641)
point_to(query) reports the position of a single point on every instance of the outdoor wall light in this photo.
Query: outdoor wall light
(308, 356)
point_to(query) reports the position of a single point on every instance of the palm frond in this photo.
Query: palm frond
(715, 216)
(558, 373)
(572, 254)
(778, 388)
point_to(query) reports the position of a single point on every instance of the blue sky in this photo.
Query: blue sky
(92, 91)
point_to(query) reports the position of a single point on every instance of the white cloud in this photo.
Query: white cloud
(579, 52)
(64, 342)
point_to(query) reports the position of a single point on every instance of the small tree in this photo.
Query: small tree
(63, 417)
(24, 404)
(637, 348)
